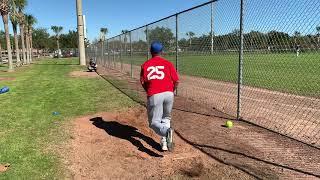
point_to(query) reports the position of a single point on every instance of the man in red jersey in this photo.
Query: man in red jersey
(159, 78)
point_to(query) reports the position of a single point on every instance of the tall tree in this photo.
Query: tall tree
(103, 33)
(69, 40)
(31, 20)
(57, 30)
(296, 35)
(21, 4)
(162, 34)
(14, 17)
(125, 39)
(190, 34)
(41, 39)
(4, 10)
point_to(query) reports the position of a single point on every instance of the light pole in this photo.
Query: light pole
(80, 33)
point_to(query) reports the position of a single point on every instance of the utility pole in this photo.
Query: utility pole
(80, 33)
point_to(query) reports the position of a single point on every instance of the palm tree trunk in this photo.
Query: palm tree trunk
(58, 46)
(23, 44)
(16, 42)
(6, 27)
(0, 54)
(28, 52)
(30, 46)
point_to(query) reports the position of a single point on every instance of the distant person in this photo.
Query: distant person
(92, 65)
(297, 50)
(159, 78)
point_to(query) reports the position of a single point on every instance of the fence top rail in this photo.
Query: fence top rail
(195, 7)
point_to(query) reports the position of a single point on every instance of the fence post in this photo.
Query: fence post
(240, 67)
(177, 49)
(102, 57)
(106, 48)
(121, 63)
(147, 41)
(131, 60)
(108, 54)
(211, 33)
(113, 56)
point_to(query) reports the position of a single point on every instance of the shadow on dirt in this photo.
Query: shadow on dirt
(128, 133)
(217, 153)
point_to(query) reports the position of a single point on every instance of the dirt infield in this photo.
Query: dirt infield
(291, 115)
(121, 146)
(256, 151)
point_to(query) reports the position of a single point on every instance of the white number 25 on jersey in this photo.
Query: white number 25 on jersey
(155, 72)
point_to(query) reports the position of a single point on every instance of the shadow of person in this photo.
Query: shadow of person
(128, 133)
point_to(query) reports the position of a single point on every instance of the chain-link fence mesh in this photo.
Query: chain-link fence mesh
(280, 85)
(281, 67)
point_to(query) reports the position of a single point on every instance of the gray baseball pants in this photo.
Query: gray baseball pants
(159, 109)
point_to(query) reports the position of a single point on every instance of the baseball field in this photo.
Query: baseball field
(280, 91)
(283, 72)
(59, 121)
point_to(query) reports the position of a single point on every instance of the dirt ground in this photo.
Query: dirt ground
(83, 74)
(289, 114)
(7, 79)
(4, 167)
(256, 151)
(121, 146)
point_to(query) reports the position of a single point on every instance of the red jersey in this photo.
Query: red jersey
(158, 75)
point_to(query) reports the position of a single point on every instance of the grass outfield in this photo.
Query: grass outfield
(27, 127)
(280, 72)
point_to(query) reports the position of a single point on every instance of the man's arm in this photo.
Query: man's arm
(174, 77)
(142, 79)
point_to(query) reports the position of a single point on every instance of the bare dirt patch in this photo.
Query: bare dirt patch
(121, 146)
(257, 151)
(4, 167)
(7, 78)
(83, 74)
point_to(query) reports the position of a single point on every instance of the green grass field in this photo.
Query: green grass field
(28, 130)
(281, 72)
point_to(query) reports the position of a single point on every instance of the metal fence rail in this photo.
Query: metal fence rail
(258, 61)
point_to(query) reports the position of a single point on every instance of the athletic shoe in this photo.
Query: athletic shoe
(170, 143)
(163, 144)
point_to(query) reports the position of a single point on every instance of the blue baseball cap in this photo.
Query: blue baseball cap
(156, 47)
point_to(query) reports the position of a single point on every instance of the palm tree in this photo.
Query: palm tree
(4, 10)
(14, 16)
(190, 34)
(125, 32)
(57, 30)
(31, 20)
(21, 4)
(296, 35)
(26, 35)
(103, 32)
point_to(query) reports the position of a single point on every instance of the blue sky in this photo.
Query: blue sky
(116, 15)
(261, 15)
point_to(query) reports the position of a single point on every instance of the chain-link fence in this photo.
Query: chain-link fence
(255, 60)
